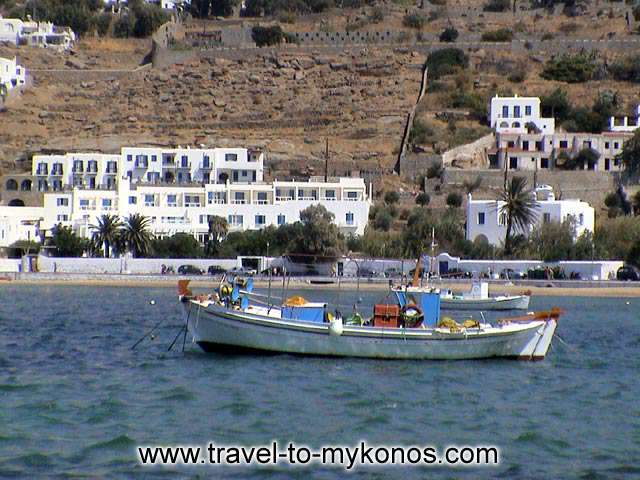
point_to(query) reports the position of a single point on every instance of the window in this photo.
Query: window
(62, 202)
(262, 198)
(282, 219)
(84, 204)
(352, 196)
(330, 194)
(546, 217)
(203, 219)
(581, 219)
(206, 163)
(513, 163)
(129, 158)
(244, 173)
(539, 146)
(260, 220)
(511, 144)
(63, 217)
(480, 218)
(607, 164)
(239, 197)
(564, 144)
(525, 145)
(154, 158)
(106, 203)
(616, 145)
(132, 200)
(185, 161)
(230, 157)
(235, 220)
(544, 163)
(149, 200)
(505, 111)
(349, 218)
(235, 175)
(192, 200)
(502, 218)
(527, 110)
(516, 111)
(172, 200)
(606, 144)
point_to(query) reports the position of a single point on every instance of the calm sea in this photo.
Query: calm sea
(75, 400)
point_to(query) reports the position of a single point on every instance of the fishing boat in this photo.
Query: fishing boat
(406, 326)
(479, 299)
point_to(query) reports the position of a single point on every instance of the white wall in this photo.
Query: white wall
(510, 114)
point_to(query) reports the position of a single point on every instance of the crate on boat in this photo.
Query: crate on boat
(387, 316)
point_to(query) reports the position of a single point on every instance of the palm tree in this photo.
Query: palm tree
(106, 232)
(136, 234)
(218, 227)
(519, 208)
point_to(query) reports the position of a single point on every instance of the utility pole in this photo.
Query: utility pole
(326, 160)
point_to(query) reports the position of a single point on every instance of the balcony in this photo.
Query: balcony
(56, 172)
(329, 199)
(192, 204)
(284, 199)
(218, 201)
(308, 199)
(42, 170)
(238, 202)
(78, 169)
(262, 202)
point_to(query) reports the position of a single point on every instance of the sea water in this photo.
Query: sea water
(76, 400)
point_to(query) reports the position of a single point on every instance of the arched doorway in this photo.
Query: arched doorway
(223, 177)
(169, 177)
(25, 186)
(12, 184)
(16, 202)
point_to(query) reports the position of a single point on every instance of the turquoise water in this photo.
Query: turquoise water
(75, 400)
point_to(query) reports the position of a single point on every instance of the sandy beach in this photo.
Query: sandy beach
(537, 288)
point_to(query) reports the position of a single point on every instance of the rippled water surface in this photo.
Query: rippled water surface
(76, 400)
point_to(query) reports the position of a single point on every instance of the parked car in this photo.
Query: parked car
(511, 274)
(190, 270)
(243, 271)
(370, 273)
(392, 272)
(628, 272)
(215, 270)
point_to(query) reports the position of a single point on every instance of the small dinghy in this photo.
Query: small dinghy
(407, 326)
(479, 299)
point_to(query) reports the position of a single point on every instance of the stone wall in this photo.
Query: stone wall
(586, 185)
(27, 190)
(474, 153)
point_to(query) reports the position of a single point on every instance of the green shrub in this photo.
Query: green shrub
(102, 23)
(267, 36)
(444, 61)
(449, 34)
(497, 6)
(420, 133)
(454, 200)
(423, 199)
(517, 75)
(569, 68)
(414, 20)
(627, 69)
(500, 35)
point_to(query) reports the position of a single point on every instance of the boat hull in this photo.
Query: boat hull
(217, 328)
(518, 302)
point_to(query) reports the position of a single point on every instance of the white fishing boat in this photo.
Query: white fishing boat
(479, 299)
(411, 328)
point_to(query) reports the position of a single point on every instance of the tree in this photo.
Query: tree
(391, 197)
(556, 105)
(66, 243)
(454, 200)
(553, 241)
(180, 245)
(636, 203)
(382, 220)
(630, 155)
(449, 34)
(218, 228)
(423, 199)
(318, 238)
(106, 233)
(571, 68)
(267, 36)
(518, 207)
(136, 235)
(444, 61)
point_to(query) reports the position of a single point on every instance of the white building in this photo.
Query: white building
(516, 114)
(180, 188)
(20, 223)
(12, 75)
(626, 123)
(35, 34)
(486, 221)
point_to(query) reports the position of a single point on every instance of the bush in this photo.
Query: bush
(444, 61)
(497, 6)
(423, 199)
(420, 132)
(475, 102)
(518, 75)
(454, 200)
(450, 34)
(414, 20)
(382, 220)
(435, 171)
(577, 68)
(627, 69)
(267, 36)
(102, 23)
(391, 197)
(556, 104)
(124, 26)
(148, 18)
(500, 35)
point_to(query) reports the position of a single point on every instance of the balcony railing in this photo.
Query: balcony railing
(284, 199)
(56, 172)
(192, 204)
(262, 202)
(238, 202)
(78, 169)
(329, 199)
(172, 204)
(218, 201)
(308, 199)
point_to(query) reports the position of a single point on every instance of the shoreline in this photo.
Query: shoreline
(537, 288)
